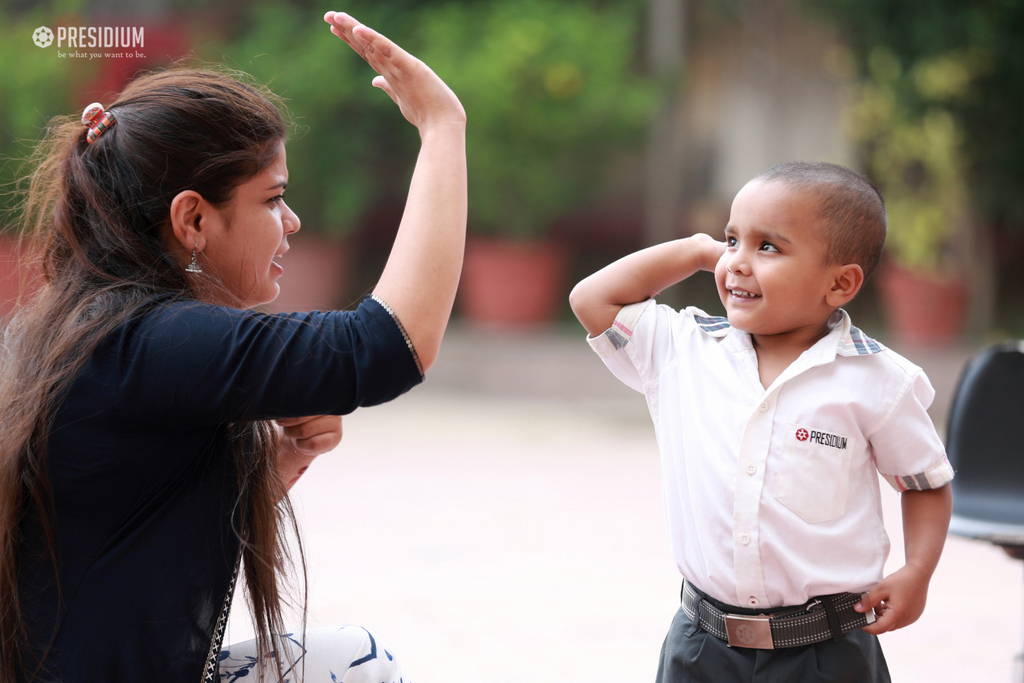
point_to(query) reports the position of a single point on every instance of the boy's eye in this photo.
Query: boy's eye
(730, 241)
(769, 247)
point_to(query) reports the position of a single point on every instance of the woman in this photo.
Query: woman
(138, 462)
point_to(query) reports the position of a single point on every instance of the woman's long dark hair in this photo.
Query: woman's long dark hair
(99, 217)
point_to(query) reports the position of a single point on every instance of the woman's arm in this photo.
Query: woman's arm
(422, 273)
(597, 299)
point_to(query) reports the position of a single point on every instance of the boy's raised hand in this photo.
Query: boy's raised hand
(423, 98)
(712, 249)
(597, 299)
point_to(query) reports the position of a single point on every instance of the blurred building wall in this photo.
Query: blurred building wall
(757, 91)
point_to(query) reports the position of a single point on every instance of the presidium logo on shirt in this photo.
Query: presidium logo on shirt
(823, 438)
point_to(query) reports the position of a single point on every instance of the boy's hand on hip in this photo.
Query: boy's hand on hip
(898, 600)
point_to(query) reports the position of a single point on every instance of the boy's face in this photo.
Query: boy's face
(772, 277)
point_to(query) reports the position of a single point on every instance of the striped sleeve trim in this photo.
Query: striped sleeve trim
(621, 331)
(937, 476)
(401, 328)
(618, 334)
(625, 322)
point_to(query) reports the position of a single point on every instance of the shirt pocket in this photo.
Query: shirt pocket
(814, 473)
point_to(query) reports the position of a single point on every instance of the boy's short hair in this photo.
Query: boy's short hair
(852, 209)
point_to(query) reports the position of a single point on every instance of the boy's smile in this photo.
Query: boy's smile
(772, 278)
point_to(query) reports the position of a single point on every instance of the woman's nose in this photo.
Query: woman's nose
(291, 220)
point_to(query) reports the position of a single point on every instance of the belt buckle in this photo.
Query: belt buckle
(749, 631)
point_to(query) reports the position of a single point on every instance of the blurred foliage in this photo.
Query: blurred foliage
(35, 85)
(915, 156)
(552, 94)
(549, 89)
(345, 133)
(946, 74)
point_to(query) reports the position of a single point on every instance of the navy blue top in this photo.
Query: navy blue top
(144, 481)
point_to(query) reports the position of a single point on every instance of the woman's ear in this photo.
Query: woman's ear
(847, 281)
(186, 210)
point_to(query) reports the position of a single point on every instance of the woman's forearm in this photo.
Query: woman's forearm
(422, 272)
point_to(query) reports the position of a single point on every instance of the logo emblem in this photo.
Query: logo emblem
(42, 36)
(746, 635)
(802, 435)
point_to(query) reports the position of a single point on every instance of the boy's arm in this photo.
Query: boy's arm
(901, 596)
(597, 299)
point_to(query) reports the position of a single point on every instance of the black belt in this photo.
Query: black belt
(829, 616)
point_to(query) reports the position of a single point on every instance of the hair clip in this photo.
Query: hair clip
(98, 121)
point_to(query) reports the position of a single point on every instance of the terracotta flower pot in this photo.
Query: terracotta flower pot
(922, 309)
(507, 283)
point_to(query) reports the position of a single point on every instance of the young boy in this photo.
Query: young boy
(772, 424)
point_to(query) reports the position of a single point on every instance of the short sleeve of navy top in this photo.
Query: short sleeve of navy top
(144, 481)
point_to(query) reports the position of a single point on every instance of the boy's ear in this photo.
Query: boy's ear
(186, 208)
(846, 282)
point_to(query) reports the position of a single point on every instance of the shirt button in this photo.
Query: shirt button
(764, 407)
(752, 601)
(745, 539)
(751, 468)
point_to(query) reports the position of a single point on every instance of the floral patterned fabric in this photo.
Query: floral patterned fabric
(330, 654)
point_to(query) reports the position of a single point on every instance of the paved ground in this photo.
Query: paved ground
(503, 522)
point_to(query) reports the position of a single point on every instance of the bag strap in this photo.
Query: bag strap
(213, 658)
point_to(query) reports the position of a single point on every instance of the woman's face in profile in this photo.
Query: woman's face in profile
(253, 233)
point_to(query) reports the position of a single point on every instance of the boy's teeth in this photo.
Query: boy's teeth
(748, 295)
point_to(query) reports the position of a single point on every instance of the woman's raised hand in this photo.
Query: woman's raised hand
(423, 98)
(422, 273)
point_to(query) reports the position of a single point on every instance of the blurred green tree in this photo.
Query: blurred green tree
(346, 136)
(552, 92)
(955, 58)
(941, 87)
(35, 85)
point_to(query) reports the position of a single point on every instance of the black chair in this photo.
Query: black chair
(985, 444)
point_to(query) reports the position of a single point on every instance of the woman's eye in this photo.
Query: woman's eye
(278, 199)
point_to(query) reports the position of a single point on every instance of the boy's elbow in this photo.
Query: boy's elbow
(587, 310)
(581, 304)
(576, 301)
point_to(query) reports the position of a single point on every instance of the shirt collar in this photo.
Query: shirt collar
(849, 340)
(853, 342)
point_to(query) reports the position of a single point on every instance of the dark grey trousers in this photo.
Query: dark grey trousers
(691, 655)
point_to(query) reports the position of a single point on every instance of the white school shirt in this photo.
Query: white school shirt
(771, 495)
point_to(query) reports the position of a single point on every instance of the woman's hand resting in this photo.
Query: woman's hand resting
(302, 439)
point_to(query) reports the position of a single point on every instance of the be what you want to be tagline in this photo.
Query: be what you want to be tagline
(93, 42)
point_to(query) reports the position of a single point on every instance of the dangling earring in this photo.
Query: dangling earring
(193, 266)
